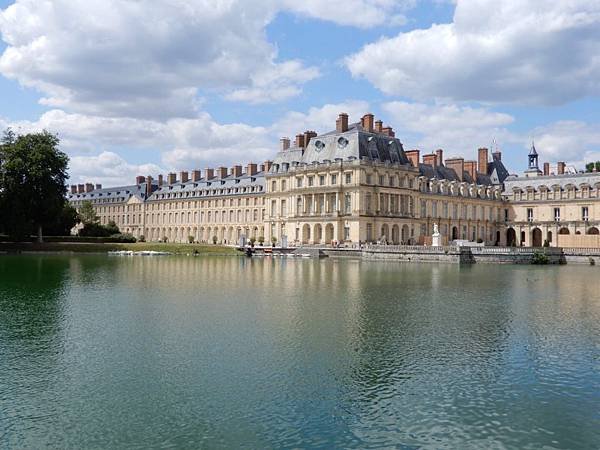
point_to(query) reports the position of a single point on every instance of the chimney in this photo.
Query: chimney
(308, 135)
(183, 176)
(196, 175)
(80, 188)
(160, 180)
(140, 179)
(285, 143)
(413, 157)
(561, 168)
(171, 178)
(471, 168)
(341, 124)
(367, 122)
(73, 189)
(300, 140)
(458, 165)
(482, 160)
(98, 186)
(378, 126)
(148, 186)
(439, 157)
(546, 168)
(430, 159)
(497, 155)
(268, 165)
(89, 187)
(251, 169)
(236, 170)
(209, 174)
(222, 172)
(388, 131)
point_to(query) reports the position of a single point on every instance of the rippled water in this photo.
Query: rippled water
(180, 352)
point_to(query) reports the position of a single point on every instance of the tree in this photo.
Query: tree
(87, 213)
(64, 223)
(33, 174)
(589, 167)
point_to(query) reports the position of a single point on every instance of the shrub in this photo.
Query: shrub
(539, 258)
(142, 238)
(123, 237)
(191, 239)
(273, 241)
(215, 240)
(480, 241)
(164, 239)
(546, 243)
(261, 240)
(252, 241)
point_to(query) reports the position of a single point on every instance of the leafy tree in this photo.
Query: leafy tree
(87, 213)
(589, 167)
(65, 221)
(33, 174)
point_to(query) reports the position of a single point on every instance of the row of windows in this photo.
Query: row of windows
(585, 214)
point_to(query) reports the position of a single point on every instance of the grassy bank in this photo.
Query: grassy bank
(84, 247)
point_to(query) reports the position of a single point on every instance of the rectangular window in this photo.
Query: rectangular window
(369, 232)
(311, 181)
(299, 182)
(506, 215)
(346, 233)
(348, 178)
(557, 214)
(347, 204)
(529, 214)
(369, 179)
(283, 185)
(334, 179)
(585, 213)
(321, 180)
(381, 180)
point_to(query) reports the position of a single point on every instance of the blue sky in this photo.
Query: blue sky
(141, 88)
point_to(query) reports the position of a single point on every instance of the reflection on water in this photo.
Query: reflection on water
(108, 352)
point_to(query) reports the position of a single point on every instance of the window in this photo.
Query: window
(369, 232)
(349, 178)
(346, 233)
(506, 215)
(299, 182)
(273, 207)
(311, 181)
(369, 179)
(283, 185)
(333, 179)
(283, 208)
(585, 213)
(423, 208)
(347, 204)
(529, 214)
(273, 186)
(381, 180)
(368, 202)
(321, 180)
(557, 214)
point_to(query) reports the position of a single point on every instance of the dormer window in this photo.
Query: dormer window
(342, 142)
(319, 145)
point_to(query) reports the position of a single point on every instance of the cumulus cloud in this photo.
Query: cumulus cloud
(108, 169)
(534, 52)
(575, 142)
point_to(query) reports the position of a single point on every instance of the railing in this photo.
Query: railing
(574, 251)
(409, 248)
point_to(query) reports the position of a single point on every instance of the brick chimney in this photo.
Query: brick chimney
(439, 156)
(160, 180)
(73, 189)
(561, 168)
(196, 175)
(308, 135)
(171, 178)
(148, 186)
(482, 160)
(183, 176)
(285, 143)
(140, 179)
(251, 169)
(299, 140)
(81, 188)
(341, 124)
(378, 126)
(268, 165)
(367, 122)
(98, 186)
(89, 187)
(413, 156)
(471, 169)
(546, 168)
(458, 165)
(388, 131)
(430, 159)
(209, 174)
(222, 172)
(236, 170)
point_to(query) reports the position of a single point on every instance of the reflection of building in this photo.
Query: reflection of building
(562, 208)
(353, 184)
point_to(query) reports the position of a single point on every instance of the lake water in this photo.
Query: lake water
(224, 352)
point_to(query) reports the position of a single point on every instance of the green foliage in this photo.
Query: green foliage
(540, 258)
(546, 243)
(64, 222)
(94, 229)
(273, 241)
(252, 241)
(142, 238)
(261, 240)
(191, 239)
(589, 167)
(33, 174)
(215, 239)
(87, 213)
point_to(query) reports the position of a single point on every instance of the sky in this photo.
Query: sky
(137, 87)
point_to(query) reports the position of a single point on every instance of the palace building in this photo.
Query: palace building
(357, 184)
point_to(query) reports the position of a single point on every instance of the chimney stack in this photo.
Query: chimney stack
(268, 165)
(388, 131)
(546, 168)
(367, 122)
(439, 156)
(222, 172)
(171, 178)
(561, 168)
(430, 159)
(285, 143)
(471, 169)
(183, 176)
(73, 189)
(308, 135)
(413, 156)
(378, 126)
(196, 175)
(98, 186)
(482, 160)
(89, 187)
(148, 186)
(209, 174)
(458, 165)
(300, 140)
(341, 124)
(140, 180)
(81, 188)
(160, 180)
(251, 169)
(236, 170)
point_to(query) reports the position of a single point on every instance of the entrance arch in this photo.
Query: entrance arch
(511, 237)
(536, 237)
(395, 234)
(385, 233)
(454, 233)
(318, 234)
(305, 233)
(593, 230)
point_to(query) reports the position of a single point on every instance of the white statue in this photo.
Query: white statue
(436, 240)
(436, 231)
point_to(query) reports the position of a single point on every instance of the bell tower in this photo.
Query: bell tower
(533, 169)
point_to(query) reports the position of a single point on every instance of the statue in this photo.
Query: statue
(436, 238)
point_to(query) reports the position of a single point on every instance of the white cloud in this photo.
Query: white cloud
(457, 129)
(540, 52)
